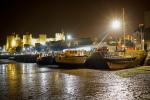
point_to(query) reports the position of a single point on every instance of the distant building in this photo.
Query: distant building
(10, 42)
(147, 19)
(14, 40)
(59, 36)
(147, 38)
(27, 38)
(147, 29)
(143, 33)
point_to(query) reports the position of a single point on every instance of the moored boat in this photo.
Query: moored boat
(26, 58)
(127, 60)
(46, 60)
(121, 62)
(71, 58)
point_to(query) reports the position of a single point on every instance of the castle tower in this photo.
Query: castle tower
(42, 38)
(27, 39)
(18, 40)
(59, 36)
(10, 42)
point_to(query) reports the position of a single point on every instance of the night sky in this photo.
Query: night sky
(80, 17)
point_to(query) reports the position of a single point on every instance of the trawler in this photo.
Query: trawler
(46, 59)
(117, 60)
(71, 58)
(120, 62)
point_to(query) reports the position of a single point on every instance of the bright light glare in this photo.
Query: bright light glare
(69, 37)
(13, 43)
(43, 43)
(23, 49)
(116, 24)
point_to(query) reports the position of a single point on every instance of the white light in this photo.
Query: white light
(43, 43)
(69, 37)
(116, 24)
(33, 42)
(13, 43)
(23, 49)
(87, 48)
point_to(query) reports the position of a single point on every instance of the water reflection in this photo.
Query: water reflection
(29, 81)
(28, 68)
(117, 89)
(71, 84)
(43, 82)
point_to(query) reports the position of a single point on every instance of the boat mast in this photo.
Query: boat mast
(123, 27)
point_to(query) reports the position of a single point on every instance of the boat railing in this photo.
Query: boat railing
(119, 54)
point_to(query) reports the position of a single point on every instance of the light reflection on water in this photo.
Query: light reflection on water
(28, 81)
(71, 84)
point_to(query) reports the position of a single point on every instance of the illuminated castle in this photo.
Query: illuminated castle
(14, 40)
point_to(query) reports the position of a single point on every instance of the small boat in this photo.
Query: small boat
(26, 58)
(116, 61)
(71, 58)
(6, 61)
(46, 60)
(128, 60)
(11, 58)
(120, 62)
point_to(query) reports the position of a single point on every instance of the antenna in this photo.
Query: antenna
(123, 26)
(62, 30)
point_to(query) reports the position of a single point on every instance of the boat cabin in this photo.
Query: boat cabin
(75, 53)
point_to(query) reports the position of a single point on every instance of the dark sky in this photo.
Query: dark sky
(81, 17)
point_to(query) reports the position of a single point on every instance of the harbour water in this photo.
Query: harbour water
(29, 81)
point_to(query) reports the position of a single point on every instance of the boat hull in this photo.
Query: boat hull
(26, 58)
(48, 60)
(120, 63)
(115, 64)
(71, 61)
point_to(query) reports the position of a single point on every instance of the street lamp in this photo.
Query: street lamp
(116, 24)
(69, 37)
